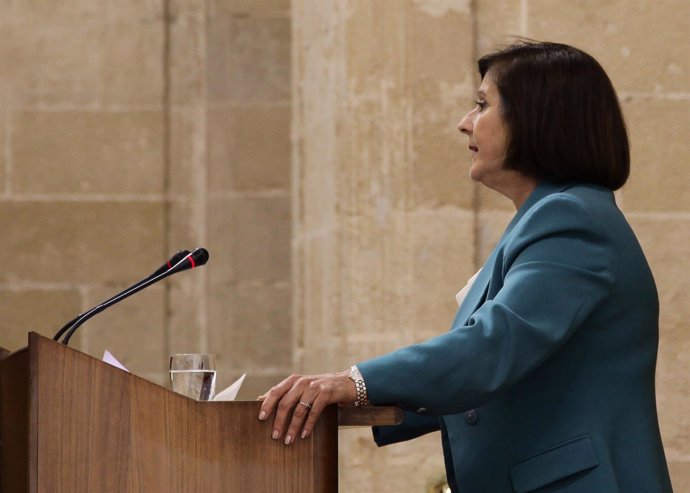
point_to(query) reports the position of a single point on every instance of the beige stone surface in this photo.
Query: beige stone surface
(87, 54)
(3, 145)
(70, 242)
(257, 68)
(133, 70)
(48, 66)
(650, 36)
(249, 147)
(250, 233)
(251, 323)
(389, 468)
(680, 475)
(251, 7)
(96, 152)
(187, 152)
(490, 227)
(186, 56)
(498, 23)
(133, 330)
(31, 309)
(659, 173)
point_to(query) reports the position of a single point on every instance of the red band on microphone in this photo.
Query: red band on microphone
(191, 259)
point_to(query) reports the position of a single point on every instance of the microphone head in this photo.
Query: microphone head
(177, 257)
(199, 257)
(189, 261)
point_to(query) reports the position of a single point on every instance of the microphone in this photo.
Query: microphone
(182, 260)
(173, 260)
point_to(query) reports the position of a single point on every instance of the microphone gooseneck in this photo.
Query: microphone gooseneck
(182, 260)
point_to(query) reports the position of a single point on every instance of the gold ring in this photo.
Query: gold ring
(308, 406)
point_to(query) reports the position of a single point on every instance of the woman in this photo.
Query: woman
(545, 381)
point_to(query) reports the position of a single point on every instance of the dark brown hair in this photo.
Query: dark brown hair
(563, 116)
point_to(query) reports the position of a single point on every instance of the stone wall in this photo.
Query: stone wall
(129, 129)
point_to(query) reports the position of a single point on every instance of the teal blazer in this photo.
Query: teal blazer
(545, 381)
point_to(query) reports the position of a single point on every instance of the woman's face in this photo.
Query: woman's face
(488, 137)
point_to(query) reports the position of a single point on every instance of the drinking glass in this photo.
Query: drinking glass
(194, 375)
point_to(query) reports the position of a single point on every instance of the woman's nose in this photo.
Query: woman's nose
(465, 125)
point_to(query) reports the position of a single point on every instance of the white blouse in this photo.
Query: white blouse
(463, 292)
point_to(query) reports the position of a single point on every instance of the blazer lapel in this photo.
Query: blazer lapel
(478, 292)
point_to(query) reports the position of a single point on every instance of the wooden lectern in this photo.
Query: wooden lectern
(71, 423)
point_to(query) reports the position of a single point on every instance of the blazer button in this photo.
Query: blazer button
(421, 410)
(471, 417)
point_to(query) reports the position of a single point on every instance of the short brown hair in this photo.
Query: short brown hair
(563, 116)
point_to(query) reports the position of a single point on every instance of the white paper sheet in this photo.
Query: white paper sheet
(111, 360)
(230, 393)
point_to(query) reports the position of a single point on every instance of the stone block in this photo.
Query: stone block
(609, 31)
(142, 12)
(673, 391)
(680, 475)
(187, 55)
(497, 23)
(439, 167)
(443, 249)
(132, 330)
(81, 241)
(187, 178)
(249, 59)
(254, 234)
(27, 310)
(254, 8)
(3, 144)
(490, 227)
(52, 66)
(249, 327)
(665, 242)
(365, 25)
(249, 148)
(409, 466)
(89, 55)
(438, 43)
(90, 152)
(187, 316)
(371, 158)
(133, 59)
(491, 200)
(316, 304)
(659, 171)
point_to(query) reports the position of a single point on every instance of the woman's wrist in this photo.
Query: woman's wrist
(361, 396)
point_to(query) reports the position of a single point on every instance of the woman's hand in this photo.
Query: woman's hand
(299, 400)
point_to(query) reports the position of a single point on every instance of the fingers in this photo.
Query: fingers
(273, 396)
(298, 401)
(312, 416)
(302, 411)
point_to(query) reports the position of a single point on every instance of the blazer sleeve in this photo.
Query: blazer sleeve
(555, 269)
(412, 426)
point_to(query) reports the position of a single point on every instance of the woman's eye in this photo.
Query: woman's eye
(480, 104)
